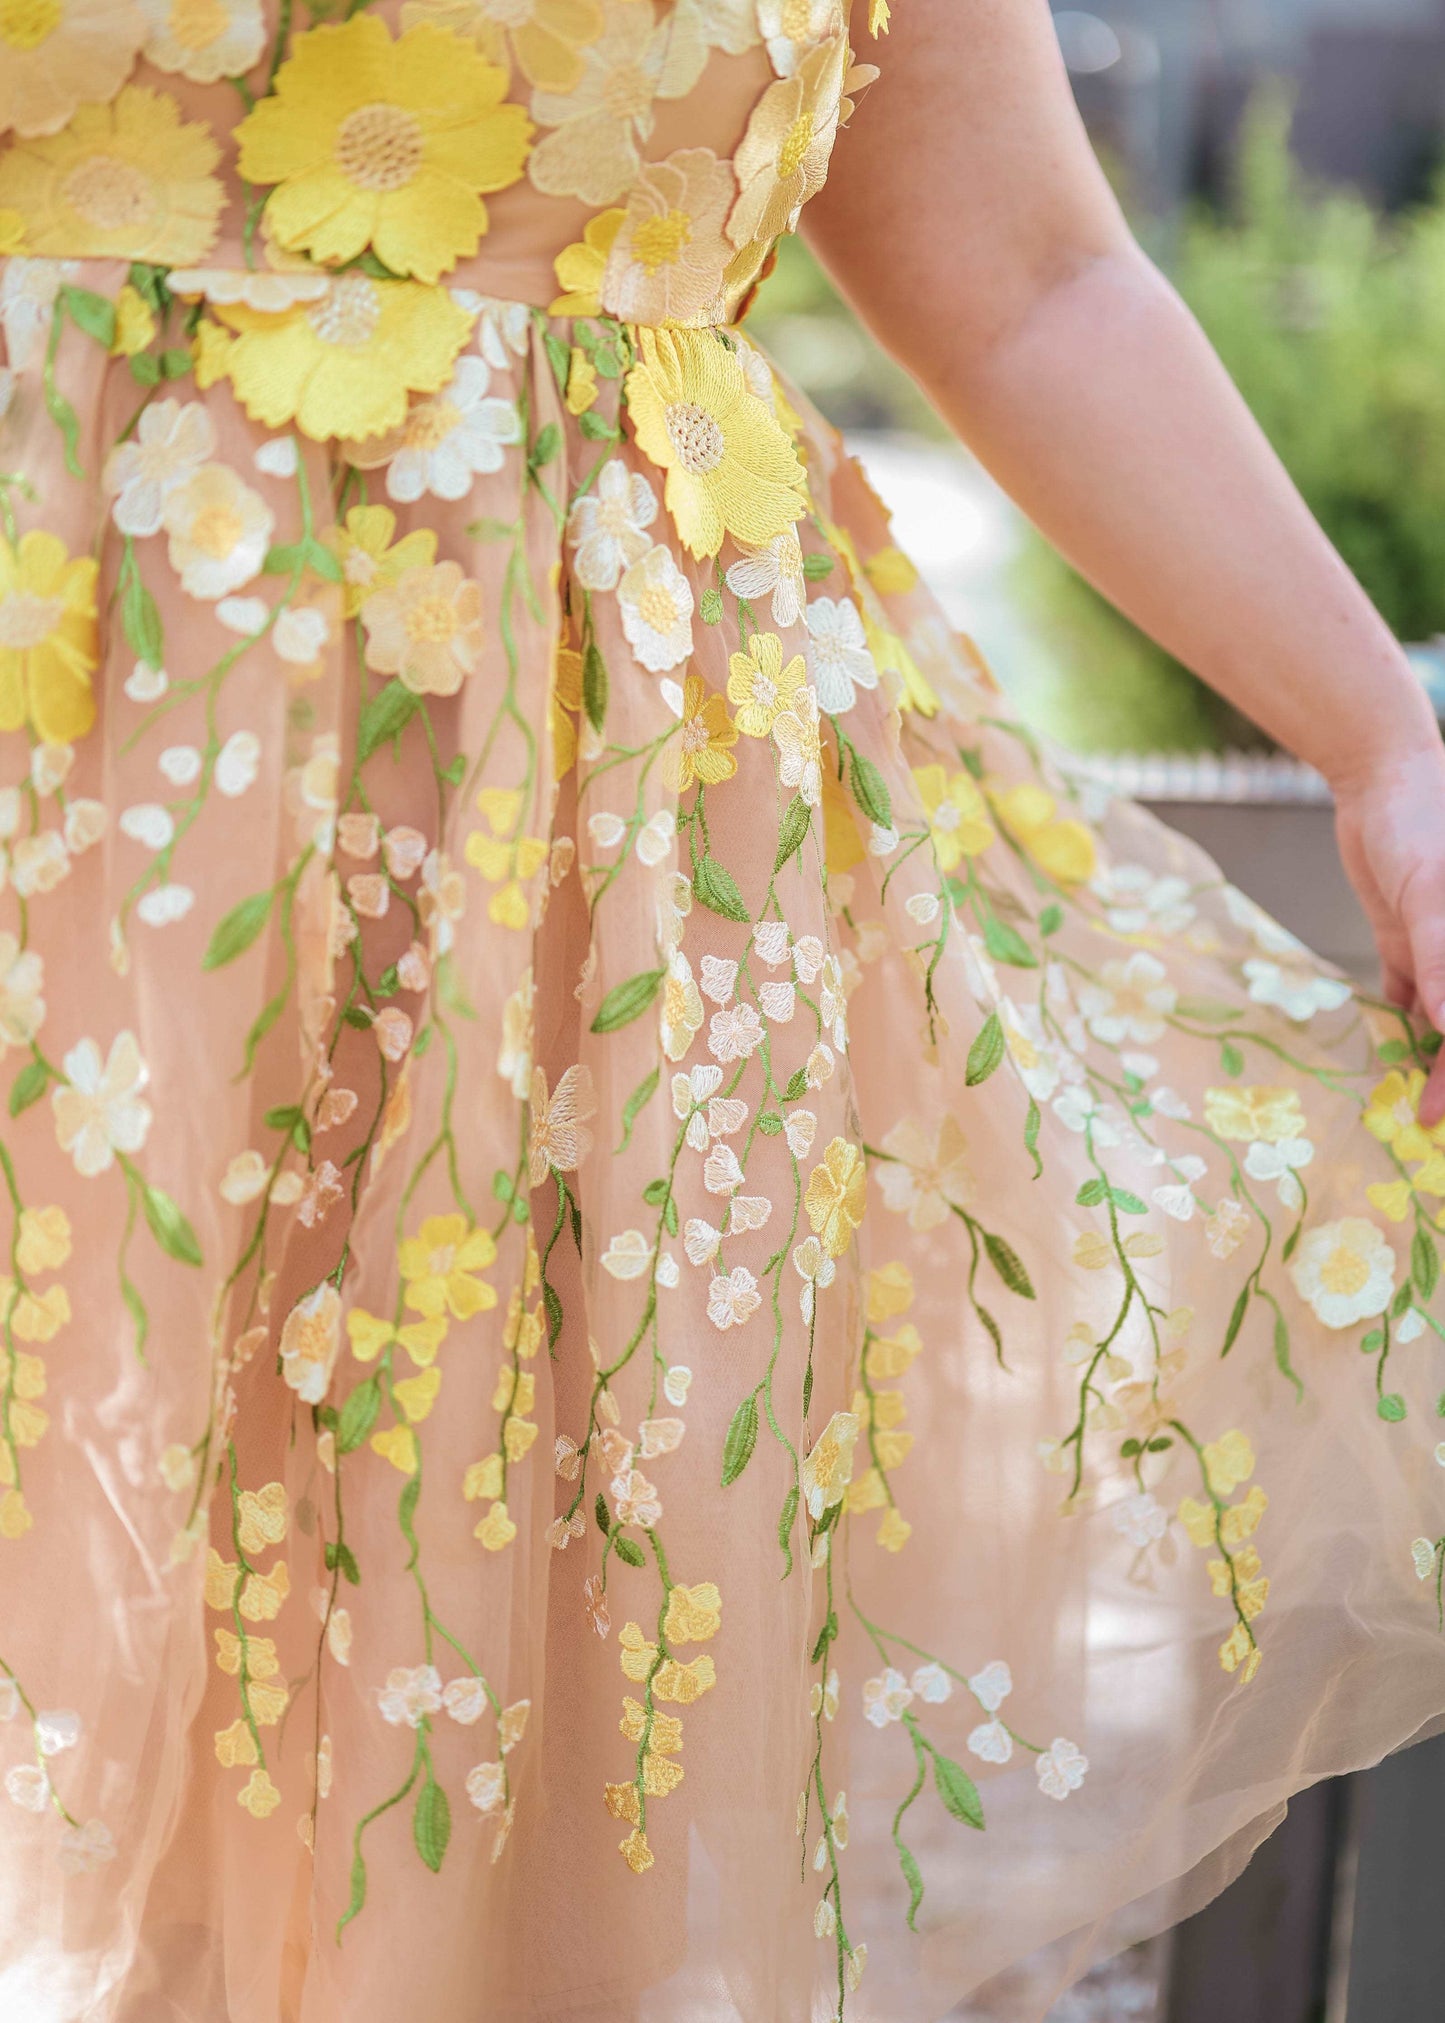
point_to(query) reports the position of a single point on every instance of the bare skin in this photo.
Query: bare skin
(969, 224)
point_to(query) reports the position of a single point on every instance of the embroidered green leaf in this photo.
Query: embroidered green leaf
(1392, 1408)
(1372, 1343)
(957, 1790)
(431, 1824)
(718, 891)
(175, 362)
(141, 619)
(1281, 1353)
(358, 1892)
(1231, 1059)
(1208, 1010)
(870, 790)
(558, 357)
(28, 1086)
(594, 685)
(491, 530)
(816, 567)
(1424, 1263)
(669, 1214)
(342, 1556)
(1127, 1203)
(628, 1001)
(1031, 1136)
(1006, 944)
(1092, 1193)
(797, 1086)
(169, 1227)
(1291, 1242)
(596, 427)
(986, 1052)
(92, 314)
(1393, 1051)
(626, 1550)
(322, 562)
(1402, 1302)
(710, 605)
(1236, 1321)
(1009, 1265)
(912, 1875)
(786, 1516)
(995, 1332)
(742, 1439)
(358, 1415)
(636, 1103)
(503, 1186)
(599, 1513)
(656, 1191)
(551, 1300)
(546, 446)
(792, 830)
(384, 717)
(145, 368)
(770, 1123)
(825, 1637)
(1050, 921)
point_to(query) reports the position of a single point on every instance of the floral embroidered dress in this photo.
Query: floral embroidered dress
(674, 1325)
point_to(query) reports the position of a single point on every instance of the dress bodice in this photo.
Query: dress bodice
(630, 155)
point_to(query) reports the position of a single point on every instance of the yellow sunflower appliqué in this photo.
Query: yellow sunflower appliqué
(48, 638)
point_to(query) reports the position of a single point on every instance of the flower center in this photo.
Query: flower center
(657, 609)
(694, 735)
(627, 92)
(659, 242)
(429, 424)
(109, 194)
(379, 147)
(430, 620)
(765, 692)
(946, 817)
(510, 13)
(25, 619)
(799, 140)
(348, 312)
(360, 568)
(695, 437)
(24, 24)
(1344, 1271)
(216, 530)
(196, 23)
(439, 1262)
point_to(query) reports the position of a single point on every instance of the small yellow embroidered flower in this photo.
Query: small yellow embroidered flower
(43, 1243)
(496, 1529)
(49, 643)
(956, 813)
(1255, 1112)
(396, 1444)
(417, 1395)
(730, 467)
(15, 1517)
(1393, 1116)
(890, 1356)
(370, 142)
(1391, 1197)
(693, 1614)
(1059, 845)
(426, 628)
(439, 1266)
(891, 572)
(261, 1659)
(837, 1192)
(135, 323)
(263, 1594)
(638, 1656)
(369, 559)
(483, 1480)
(666, 1734)
(127, 180)
(1240, 1653)
(760, 688)
(869, 1492)
(827, 1470)
(895, 1530)
(505, 859)
(235, 1746)
(1228, 1461)
(702, 749)
(579, 268)
(566, 705)
(635, 1851)
(683, 1684)
(259, 1795)
(345, 363)
(261, 1517)
(581, 381)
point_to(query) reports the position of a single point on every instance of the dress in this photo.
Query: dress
(683, 1338)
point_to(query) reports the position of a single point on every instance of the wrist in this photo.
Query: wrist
(1396, 731)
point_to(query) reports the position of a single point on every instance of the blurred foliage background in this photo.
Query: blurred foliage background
(1327, 310)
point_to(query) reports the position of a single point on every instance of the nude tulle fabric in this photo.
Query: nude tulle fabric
(163, 1899)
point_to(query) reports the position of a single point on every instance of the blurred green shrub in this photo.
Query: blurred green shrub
(1332, 321)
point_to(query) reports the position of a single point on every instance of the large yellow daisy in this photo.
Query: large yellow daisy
(730, 467)
(345, 364)
(382, 143)
(49, 643)
(55, 54)
(126, 181)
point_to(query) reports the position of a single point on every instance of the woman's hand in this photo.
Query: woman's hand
(1391, 824)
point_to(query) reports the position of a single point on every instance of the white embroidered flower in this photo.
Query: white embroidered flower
(992, 1686)
(300, 634)
(798, 737)
(748, 1212)
(1136, 901)
(219, 531)
(809, 956)
(82, 1849)
(1079, 1109)
(465, 1699)
(217, 39)
(1422, 1552)
(681, 1013)
(719, 977)
(770, 941)
(733, 1299)
(657, 604)
(504, 329)
(28, 289)
(22, 978)
(1140, 1519)
(1280, 1163)
(932, 1684)
(700, 1241)
(9, 1699)
(237, 764)
(775, 571)
(98, 1109)
(606, 828)
(823, 1697)
(887, 1698)
(726, 1115)
(1345, 1270)
(926, 1174)
(721, 1173)
(1177, 1201)
(800, 1127)
(278, 457)
(628, 1255)
(171, 442)
(1296, 989)
(676, 1384)
(779, 1001)
(165, 904)
(408, 1694)
(55, 1730)
(486, 1786)
(817, 1271)
(991, 1741)
(1130, 1000)
(655, 838)
(608, 527)
(449, 441)
(27, 1786)
(1268, 936)
(735, 1033)
(1061, 1768)
(838, 656)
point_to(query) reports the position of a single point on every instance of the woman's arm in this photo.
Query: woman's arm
(970, 225)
